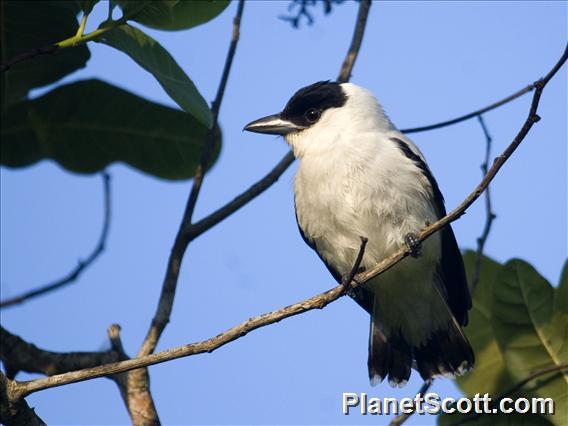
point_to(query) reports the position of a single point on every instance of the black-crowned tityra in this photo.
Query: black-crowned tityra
(361, 177)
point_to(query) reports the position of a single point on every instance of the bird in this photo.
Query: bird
(359, 176)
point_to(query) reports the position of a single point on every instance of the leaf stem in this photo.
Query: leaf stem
(93, 35)
(82, 26)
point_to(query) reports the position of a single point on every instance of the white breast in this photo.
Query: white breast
(370, 190)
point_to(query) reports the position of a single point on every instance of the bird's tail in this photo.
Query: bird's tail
(446, 352)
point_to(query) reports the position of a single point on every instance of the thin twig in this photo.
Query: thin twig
(401, 418)
(473, 114)
(349, 61)
(165, 304)
(489, 215)
(231, 207)
(82, 265)
(516, 387)
(316, 302)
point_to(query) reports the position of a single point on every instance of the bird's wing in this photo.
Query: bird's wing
(450, 269)
(361, 295)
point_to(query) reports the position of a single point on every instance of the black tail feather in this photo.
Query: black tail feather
(446, 352)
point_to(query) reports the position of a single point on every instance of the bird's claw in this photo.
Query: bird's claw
(414, 245)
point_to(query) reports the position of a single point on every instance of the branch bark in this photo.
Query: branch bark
(358, 33)
(489, 215)
(165, 304)
(473, 114)
(15, 412)
(316, 302)
(82, 265)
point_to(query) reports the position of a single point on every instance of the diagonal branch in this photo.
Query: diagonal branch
(489, 215)
(239, 201)
(166, 301)
(81, 266)
(316, 302)
(349, 61)
(473, 114)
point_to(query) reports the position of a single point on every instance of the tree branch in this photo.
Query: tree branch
(489, 215)
(473, 114)
(81, 266)
(349, 61)
(18, 355)
(231, 207)
(316, 302)
(165, 304)
(15, 412)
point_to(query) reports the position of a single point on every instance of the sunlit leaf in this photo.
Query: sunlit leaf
(530, 333)
(148, 53)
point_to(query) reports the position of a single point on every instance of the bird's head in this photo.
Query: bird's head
(315, 116)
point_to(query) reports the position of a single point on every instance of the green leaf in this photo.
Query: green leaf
(561, 294)
(148, 53)
(172, 15)
(29, 25)
(86, 125)
(490, 374)
(86, 5)
(530, 333)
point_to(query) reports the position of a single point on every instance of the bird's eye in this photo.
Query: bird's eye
(312, 115)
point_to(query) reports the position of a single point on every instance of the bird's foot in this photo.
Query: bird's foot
(414, 245)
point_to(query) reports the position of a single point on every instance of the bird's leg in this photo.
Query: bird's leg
(414, 245)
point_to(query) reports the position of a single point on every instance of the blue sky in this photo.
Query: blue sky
(426, 62)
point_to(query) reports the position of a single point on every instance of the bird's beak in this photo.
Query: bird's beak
(273, 125)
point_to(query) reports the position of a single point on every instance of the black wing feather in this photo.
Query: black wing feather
(450, 268)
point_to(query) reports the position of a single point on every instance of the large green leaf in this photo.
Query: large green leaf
(494, 329)
(530, 333)
(29, 25)
(148, 53)
(490, 373)
(86, 125)
(172, 14)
